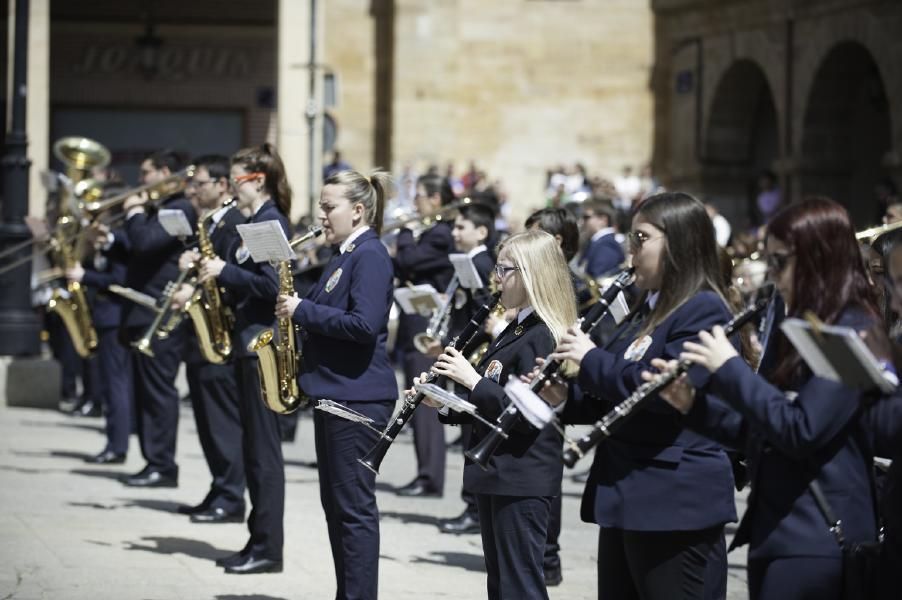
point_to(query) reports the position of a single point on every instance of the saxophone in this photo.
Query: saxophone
(279, 363)
(72, 307)
(212, 319)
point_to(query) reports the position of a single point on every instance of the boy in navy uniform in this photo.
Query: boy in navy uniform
(603, 254)
(424, 261)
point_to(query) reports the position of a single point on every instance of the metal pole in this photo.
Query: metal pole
(312, 110)
(19, 326)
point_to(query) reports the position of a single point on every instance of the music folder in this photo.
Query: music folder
(266, 241)
(838, 354)
(466, 272)
(174, 222)
(418, 299)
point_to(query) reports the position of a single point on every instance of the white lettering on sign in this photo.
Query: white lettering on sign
(174, 63)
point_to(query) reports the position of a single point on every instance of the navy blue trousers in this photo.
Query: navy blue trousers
(264, 466)
(114, 389)
(348, 494)
(796, 578)
(513, 542)
(214, 398)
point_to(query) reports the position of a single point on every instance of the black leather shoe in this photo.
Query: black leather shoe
(231, 560)
(252, 564)
(107, 457)
(553, 576)
(465, 523)
(89, 408)
(185, 509)
(217, 515)
(151, 478)
(418, 490)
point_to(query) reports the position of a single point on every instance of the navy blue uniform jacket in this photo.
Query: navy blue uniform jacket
(107, 307)
(254, 286)
(344, 321)
(528, 463)
(426, 260)
(603, 256)
(653, 475)
(823, 433)
(153, 259)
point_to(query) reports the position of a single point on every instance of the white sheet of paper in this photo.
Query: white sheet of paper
(535, 410)
(174, 222)
(800, 337)
(619, 308)
(467, 275)
(418, 300)
(265, 241)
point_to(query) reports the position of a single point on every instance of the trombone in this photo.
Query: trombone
(868, 236)
(426, 220)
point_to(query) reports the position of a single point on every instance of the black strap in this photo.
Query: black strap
(833, 523)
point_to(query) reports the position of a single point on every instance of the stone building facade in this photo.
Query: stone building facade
(804, 88)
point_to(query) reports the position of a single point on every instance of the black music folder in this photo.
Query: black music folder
(839, 354)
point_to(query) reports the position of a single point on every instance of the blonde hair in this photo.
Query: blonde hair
(545, 277)
(370, 191)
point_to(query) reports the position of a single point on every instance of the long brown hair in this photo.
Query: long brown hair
(690, 261)
(829, 274)
(265, 159)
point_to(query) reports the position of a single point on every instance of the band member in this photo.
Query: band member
(603, 253)
(474, 226)
(257, 177)
(514, 493)
(820, 434)
(152, 263)
(344, 321)
(112, 383)
(645, 549)
(424, 261)
(212, 387)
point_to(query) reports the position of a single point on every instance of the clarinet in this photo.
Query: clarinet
(412, 400)
(616, 417)
(485, 449)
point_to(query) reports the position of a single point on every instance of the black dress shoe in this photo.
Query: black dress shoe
(465, 523)
(88, 409)
(151, 478)
(107, 457)
(418, 490)
(252, 564)
(232, 559)
(218, 515)
(553, 576)
(185, 509)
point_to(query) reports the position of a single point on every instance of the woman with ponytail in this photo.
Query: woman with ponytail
(343, 323)
(257, 178)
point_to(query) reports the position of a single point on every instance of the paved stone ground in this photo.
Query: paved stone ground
(71, 531)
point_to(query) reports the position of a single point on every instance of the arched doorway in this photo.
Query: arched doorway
(740, 142)
(846, 131)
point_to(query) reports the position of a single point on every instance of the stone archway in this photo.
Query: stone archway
(847, 131)
(741, 140)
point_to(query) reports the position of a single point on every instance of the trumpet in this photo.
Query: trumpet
(615, 418)
(165, 320)
(438, 324)
(373, 459)
(156, 192)
(426, 220)
(485, 449)
(869, 235)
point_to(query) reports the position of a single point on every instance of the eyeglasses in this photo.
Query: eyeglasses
(198, 183)
(238, 180)
(638, 238)
(501, 271)
(777, 261)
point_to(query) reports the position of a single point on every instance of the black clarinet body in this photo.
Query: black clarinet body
(485, 449)
(373, 459)
(617, 416)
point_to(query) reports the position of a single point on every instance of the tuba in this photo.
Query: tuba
(80, 156)
(279, 362)
(212, 319)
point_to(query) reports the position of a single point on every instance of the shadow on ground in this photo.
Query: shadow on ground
(406, 518)
(174, 545)
(468, 562)
(247, 597)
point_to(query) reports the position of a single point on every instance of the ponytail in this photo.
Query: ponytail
(368, 191)
(265, 159)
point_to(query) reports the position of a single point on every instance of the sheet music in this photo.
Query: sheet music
(619, 308)
(467, 275)
(266, 241)
(420, 299)
(174, 222)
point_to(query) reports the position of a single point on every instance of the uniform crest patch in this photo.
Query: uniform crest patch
(638, 348)
(333, 280)
(493, 371)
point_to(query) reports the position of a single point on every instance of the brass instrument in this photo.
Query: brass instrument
(426, 220)
(163, 317)
(212, 319)
(872, 233)
(156, 192)
(279, 362)
(437, 328)
(80, 155)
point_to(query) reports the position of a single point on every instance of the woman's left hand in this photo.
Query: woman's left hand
(210, 268)
(453, 365)
(574, 346)
(679, 394)
(713, 350)
(286, 305)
